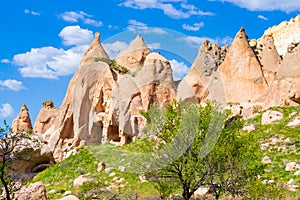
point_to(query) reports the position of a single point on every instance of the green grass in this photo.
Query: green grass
(61, 175)
(280, 156)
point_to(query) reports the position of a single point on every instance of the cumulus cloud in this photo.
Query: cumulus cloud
(5, 61)
(74, 35)
(134, 25)
(269, 5)
(172, 8)
(153, 46)
(179, 69)
(195, 42)
(194, 27)
(113, 49)
(6, 110)
(27, 11)
(11, 84)
(50, 62)
(262, 17)
(74, 17)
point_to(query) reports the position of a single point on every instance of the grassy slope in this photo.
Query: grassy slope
(287, 149)
(60, 176)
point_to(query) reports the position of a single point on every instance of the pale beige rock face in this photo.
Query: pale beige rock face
(46, 118)
(285, 33)
(23, 122)
(102, 105)
(241, 72)
(85, 111)
(95, 51)
(268, 57)
(285, 89)
(201, 82)
(33, 192)
(134, 55)
(152, 85)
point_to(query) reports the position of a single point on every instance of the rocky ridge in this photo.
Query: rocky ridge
(103, 105)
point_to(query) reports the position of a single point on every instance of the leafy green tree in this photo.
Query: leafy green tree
(195, 149)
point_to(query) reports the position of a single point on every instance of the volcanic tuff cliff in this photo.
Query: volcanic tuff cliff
(104, 97)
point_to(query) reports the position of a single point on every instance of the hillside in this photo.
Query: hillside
(280, 146)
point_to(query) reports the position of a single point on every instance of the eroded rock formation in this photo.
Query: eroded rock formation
(241, 72)
(23, 122)
(134, 55)
(285, 33)
(46, 117)
(196, 86)
(103, 105)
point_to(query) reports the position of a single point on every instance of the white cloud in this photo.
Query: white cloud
(6, 110)
(194, 27)
(154, 45)
(74, 35)
(112, 27)
(262, 17)
(135, 25)
(74, 17)
(179, 69)
(195, 42)
(267, 5)
(31, 12)
(93, 22)
(50, 62)
(5, 61)
(177, 11)
(113, 49)
(12, 84)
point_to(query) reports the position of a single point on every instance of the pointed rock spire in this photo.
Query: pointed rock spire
(134, 55)
(195, 86)
(268, 56)
(241, 72)
(23, 122)
(46, 118)
(95, 51)
(240, 60)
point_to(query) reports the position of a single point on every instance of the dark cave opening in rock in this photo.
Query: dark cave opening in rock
(113, 133)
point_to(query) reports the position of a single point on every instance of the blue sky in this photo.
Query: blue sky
(42, 41)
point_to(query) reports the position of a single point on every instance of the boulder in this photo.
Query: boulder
(291, 166)
(202, 191)
(69, 197)
(295, 122)
(82, 179)
(23, 122)
(266, 160)
(32, 192)
(101, 167)
(271, 116)
(249, 128)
